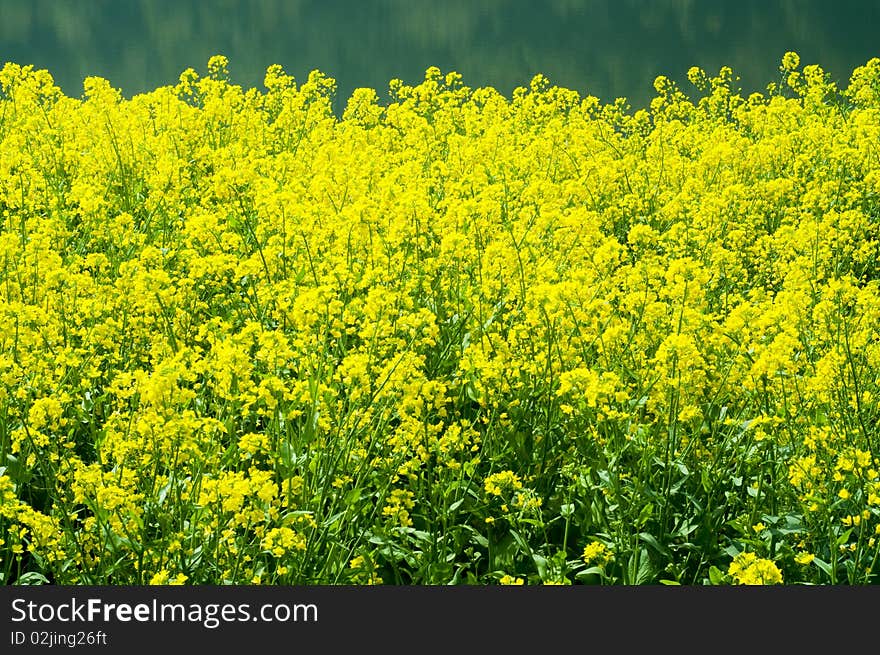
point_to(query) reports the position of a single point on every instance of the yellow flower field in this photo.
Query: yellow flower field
(454, 337)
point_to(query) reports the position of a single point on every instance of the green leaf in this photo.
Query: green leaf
(420, 535)
(670, 583)
(793, 524)
(716, 577)
(685, 529)
(289, 458)
(651, 540)
(541, 565)
(16, 472)
(646, 571)
(331, 521)
(645, 514)
(32, 578)
(476, 537)
(824, 566)
(521, 542)
(707, 482)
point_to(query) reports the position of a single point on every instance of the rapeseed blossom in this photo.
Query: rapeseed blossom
(597, 554)
(748, 569)
(451, 336)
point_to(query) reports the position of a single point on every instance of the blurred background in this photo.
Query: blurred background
(599, 47)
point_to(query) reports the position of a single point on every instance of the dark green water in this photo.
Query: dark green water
(605, 48)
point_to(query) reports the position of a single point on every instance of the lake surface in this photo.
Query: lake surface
(604, 48)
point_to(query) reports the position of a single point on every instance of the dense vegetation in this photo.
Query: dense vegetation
(456, 338)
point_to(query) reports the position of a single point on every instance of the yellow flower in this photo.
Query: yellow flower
(804, 559)
(160, 578)
(398, 506)
(499, 483)
(790, 61)
(232, 316)
(511, 580)
(280, 541)
(597, 553)
(749, 569)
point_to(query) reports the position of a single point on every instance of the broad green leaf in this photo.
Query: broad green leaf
(651, 540)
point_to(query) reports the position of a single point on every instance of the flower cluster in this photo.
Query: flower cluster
(748, 569)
